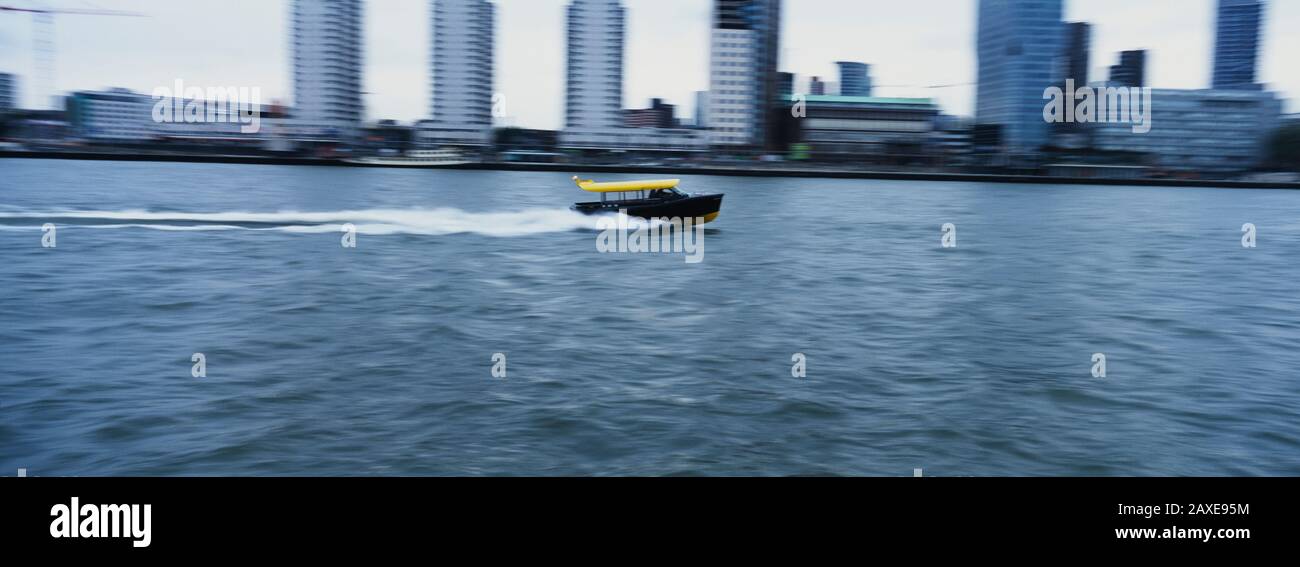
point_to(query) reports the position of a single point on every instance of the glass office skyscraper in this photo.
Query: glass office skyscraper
(1078, 52)
(1019, 44)
(855, 78)
(1236, 44)
(1131, 70)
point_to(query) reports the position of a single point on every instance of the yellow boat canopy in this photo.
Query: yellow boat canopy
(624, 186)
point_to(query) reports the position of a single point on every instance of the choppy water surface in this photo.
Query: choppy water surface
(377, 360)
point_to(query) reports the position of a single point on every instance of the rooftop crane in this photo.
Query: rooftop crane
(43, 41)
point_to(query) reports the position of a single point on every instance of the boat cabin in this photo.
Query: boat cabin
(648, 199)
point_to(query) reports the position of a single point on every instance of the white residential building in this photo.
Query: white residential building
(733, 88)
(327, 67)
(594, 86)
(743, 81)
(463, 71)
(594, 64)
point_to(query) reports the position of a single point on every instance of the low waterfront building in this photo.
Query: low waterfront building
(867, 129)
(1096, 171)
(1205, 130)
(388, 136)
(122, 116)
(953, 140)
(650, 140)
(117, 115)
(508, 139)
(659, 115)
(37, 128)
(523, 145)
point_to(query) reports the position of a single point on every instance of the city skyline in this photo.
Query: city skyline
(668, 49)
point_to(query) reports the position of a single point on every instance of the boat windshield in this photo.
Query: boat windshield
(643, 195)
(661, 193)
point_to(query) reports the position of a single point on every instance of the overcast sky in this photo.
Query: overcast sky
(911, 45)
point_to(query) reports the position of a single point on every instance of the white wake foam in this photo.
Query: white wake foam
(435, 222)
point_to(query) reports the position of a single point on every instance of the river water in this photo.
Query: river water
(319, 359)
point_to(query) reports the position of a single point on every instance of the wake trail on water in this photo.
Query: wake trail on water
(428, 222)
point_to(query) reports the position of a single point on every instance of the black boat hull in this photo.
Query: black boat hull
(706, 207)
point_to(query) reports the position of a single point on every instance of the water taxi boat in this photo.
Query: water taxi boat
(649, 199)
